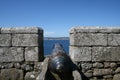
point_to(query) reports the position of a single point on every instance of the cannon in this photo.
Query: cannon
(59, 66)
(59, 61)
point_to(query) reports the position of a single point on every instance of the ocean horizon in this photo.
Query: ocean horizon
(48, 45)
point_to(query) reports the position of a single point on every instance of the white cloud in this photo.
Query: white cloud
(48, 34)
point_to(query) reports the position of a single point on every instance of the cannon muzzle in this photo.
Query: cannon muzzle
(59, 61)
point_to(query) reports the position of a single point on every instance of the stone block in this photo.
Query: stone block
(31, 54)
(116, 77)
(76, 75)
(22, 30)
(86, 66)
(11, 74)
(117, 70)
(37, 66)
(6, 65)
(80, 53)
(98, 65)
(98, 29)
(31, 75)
(25, 40)
(89, 73)
(5, 40)
(88, 39)
(106, 54)
(12, 54)
(101, 72)
(27, 67)
(114, 39)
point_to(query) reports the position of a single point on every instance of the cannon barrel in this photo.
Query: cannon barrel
(59, 61)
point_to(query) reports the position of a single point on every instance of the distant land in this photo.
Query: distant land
(56, 38)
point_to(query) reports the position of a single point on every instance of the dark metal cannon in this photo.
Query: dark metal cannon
(59, 61)
(59, 66)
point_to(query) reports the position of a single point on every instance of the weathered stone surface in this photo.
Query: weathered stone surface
(17, 65)
(6, 65)
(113, 65)
(12, 54)
(31, 75)
(107, 64)
(116, 77)
(31, 54)
(108, 77)
(89, 73)
(25, 40)
(38, 66)
(86, 66)
(76, 75)
(22, 30)
(42, 74)
(80, 53)
(98, 29)
(117, 70)
(101, 72)
(5, 40)
(98, 65)
(27, 67)
(88, 39)
(11, 74)
(105, 54)
(114, 39)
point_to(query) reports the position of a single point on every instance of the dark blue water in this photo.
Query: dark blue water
(48, 45)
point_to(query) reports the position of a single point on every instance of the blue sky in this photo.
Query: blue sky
(56, 17)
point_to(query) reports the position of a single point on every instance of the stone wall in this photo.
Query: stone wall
(96, 50)
(21, 53)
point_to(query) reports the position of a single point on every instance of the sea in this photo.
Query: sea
(48, 45)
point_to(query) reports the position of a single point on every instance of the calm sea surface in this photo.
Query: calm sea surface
(48, 45)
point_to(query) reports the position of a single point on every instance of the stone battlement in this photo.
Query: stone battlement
(21, 51)
(97, 51)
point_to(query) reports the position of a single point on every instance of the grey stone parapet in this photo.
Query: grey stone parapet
(96, 50)
(95, 43)
(21, 44)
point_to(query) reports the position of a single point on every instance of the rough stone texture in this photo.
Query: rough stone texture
(117, 70)
(80, 53)
(93, 29)
(98, 65)
(37, 66)
(11, 74)
(108, 76)
(101, 72)
(86, 66)
(31, 54)
(25, 40)
(12, 54)
(116, 77)
(31, 75)
(5, 40)
(17, 65)
(6, 65)
(89, 73)
(22, 30)
(114, 39)
(105, 51)
(76, 75)
(21, 49)
(42, 74)
(85, 39)
(28, 66)
(105, 54)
